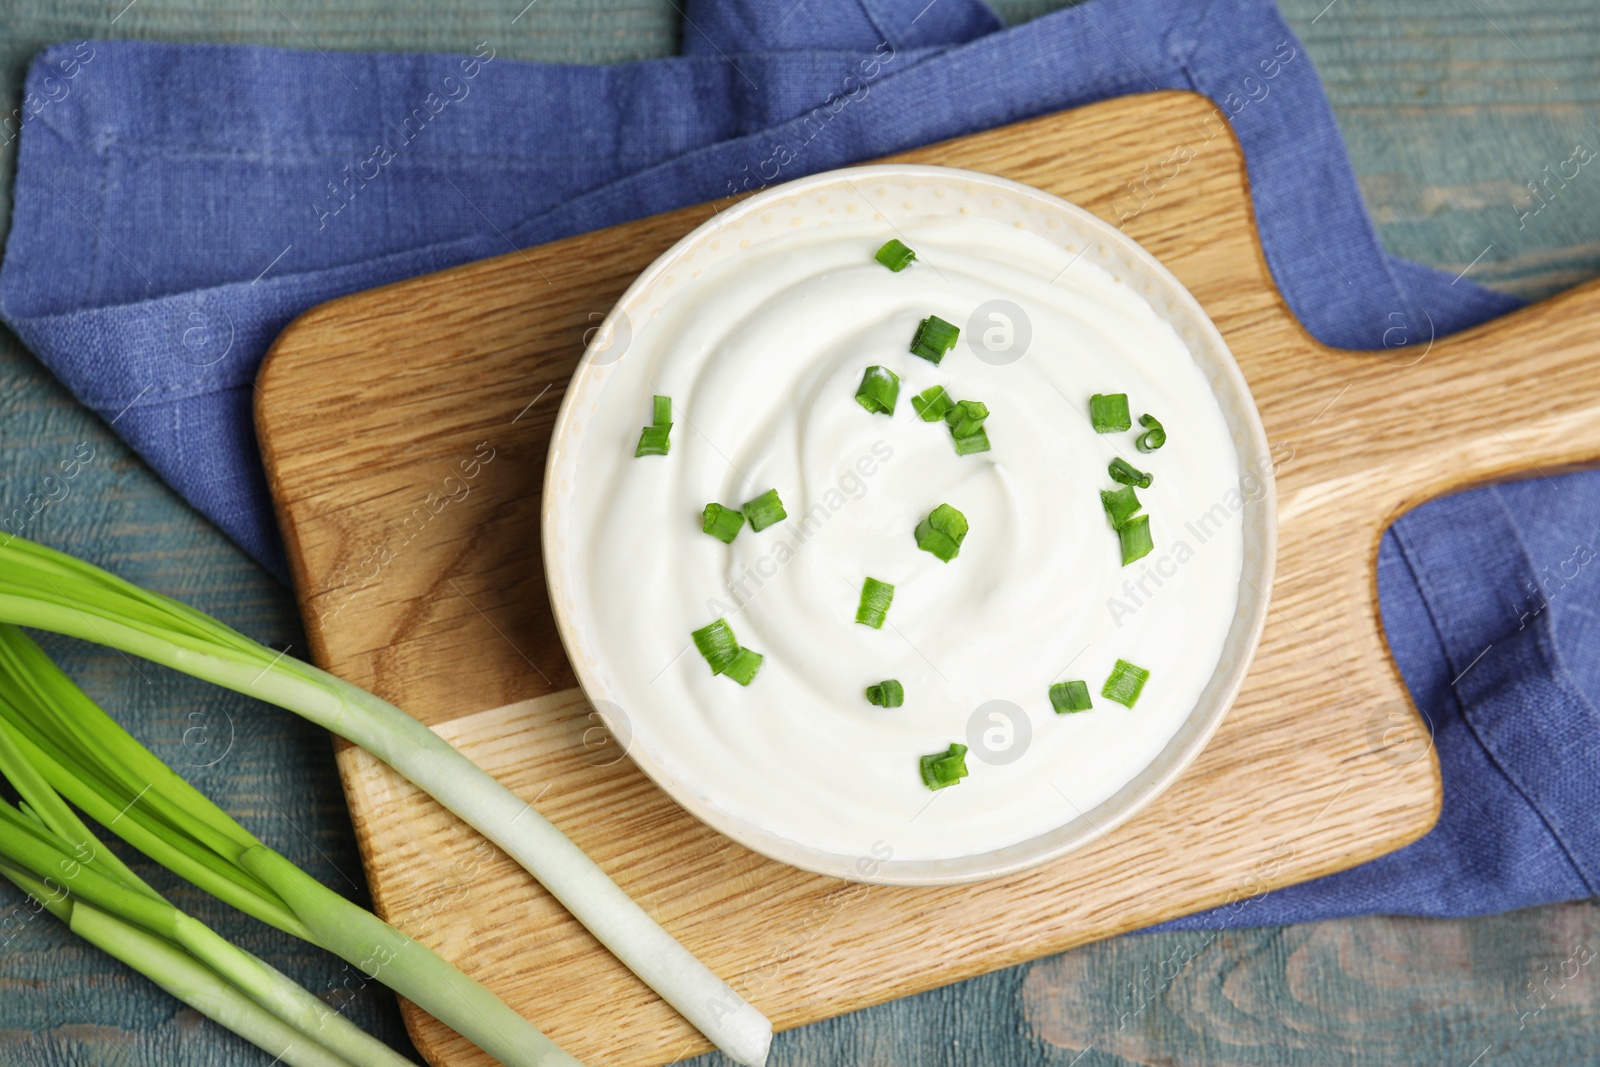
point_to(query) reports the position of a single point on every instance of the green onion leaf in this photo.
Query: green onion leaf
(744, 666)
(1135, 537)
(886, 694)
(717, 644)
(1070, 696)
(942, 532)
(932, 403)
(663, 411)
(764, 510)
(875, 599)
(1109, 412)
(1120, 504)
(1125, 683)
(934, 338)
(880, 387)
(895, 255)
(1126, 473)
(1153, 437)
(653, 441)
(722, 523)
(942, 769)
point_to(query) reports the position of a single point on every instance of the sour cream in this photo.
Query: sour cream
(762, 354)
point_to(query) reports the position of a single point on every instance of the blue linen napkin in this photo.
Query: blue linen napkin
(181, 203)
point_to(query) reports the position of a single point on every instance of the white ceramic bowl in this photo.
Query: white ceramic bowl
(920, 191)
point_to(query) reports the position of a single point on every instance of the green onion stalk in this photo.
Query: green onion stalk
(56, 743)
(48, 590)
(46, 848)
(180, 974)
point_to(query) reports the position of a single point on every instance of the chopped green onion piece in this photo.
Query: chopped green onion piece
(942, 532)
(941, 545)
(744, 666)
(721, 650)
(722, 523)
(1070, 696)
(1126, 473)
(880, 387)
(1153, 437)
(717, 644)
(1135, 537)
(876, 597)
(1109, 412)
(653, 441)
(966, 418)
(966, 426)
(941, 769)
(886, 694)
(932, 403)
(1120, 504)
(895, 255)
(934, 338)
(764, 510)
(966, 446)
(1125, 684)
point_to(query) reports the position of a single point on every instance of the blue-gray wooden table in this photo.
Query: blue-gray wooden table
(1450, 107)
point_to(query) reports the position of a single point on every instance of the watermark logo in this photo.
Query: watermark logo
(52, 489)
(998, 332)
(796, 136)
(45, 89)
(766, 974)
(1144, 586)
(354, 178)
(346, 580)
(608, 338)
(1396, 736)
(1403, 341)
(1544, 993)
(998, 733)
(1142, 189)
(207, 740)
(206, 337)
(1546, 188)
(1546, 585)
(607, 745)
(797, 530)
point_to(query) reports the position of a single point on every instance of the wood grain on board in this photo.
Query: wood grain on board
(405, 430)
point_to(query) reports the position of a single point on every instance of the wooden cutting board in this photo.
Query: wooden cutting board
(404, 432)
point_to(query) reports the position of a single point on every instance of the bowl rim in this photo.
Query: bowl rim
(1176, 755)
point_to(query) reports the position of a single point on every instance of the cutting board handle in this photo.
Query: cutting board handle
(1518, 396)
